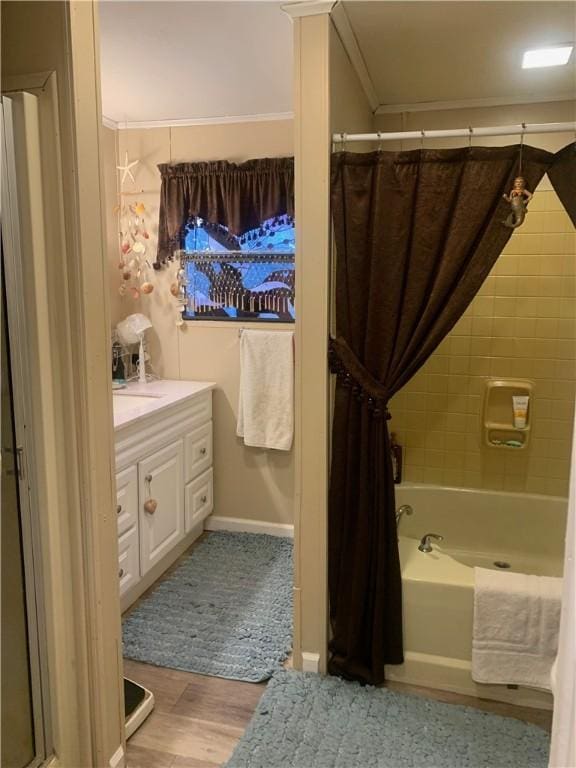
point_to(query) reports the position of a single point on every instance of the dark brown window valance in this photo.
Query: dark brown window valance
(239, 197)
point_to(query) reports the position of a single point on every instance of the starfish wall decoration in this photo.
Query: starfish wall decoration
(126, 169)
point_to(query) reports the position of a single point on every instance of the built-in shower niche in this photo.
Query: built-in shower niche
(500, 430)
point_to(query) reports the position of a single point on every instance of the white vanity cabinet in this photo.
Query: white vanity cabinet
(160, 484)
(163, 446)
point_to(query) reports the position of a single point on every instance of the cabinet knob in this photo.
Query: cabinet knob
(148, 478)
(204, 499)
(203, 451)
(119, 509)
(121, 573)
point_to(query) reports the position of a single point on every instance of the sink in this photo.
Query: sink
(125, 402)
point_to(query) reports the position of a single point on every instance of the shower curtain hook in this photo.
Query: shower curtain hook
(343, 140)
(422, 137)
(379, 134)
(470, 132)
(521, 148)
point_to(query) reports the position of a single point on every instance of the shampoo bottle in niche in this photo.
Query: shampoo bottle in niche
(520, 407)
(396, 456)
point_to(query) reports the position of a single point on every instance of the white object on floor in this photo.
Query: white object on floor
(516, 622)
(563, 745)
(266, 402)
(140, 714)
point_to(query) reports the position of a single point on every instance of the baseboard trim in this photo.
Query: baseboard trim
(310, 662)
(239, 525)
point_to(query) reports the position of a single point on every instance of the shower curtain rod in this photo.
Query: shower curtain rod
(499, 130)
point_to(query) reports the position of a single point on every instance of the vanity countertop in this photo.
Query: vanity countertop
(137, 401)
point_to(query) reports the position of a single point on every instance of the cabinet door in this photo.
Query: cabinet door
(197, 451)
(127, 498)
(160, 480)
(199, 499)
(128, 565)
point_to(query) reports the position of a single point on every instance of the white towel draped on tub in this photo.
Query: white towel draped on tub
(516, 621)
(266, 403)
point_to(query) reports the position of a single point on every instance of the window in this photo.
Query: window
(254, 282)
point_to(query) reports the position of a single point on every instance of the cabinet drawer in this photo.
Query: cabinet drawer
(128, 560)
(127, 498)
(198, 499)
(160, 478)
(200, 409)
(197, 451)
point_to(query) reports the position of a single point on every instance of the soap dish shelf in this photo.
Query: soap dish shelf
(498, 407)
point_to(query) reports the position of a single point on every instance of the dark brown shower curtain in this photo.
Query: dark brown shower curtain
(238, 196)
(416, 234)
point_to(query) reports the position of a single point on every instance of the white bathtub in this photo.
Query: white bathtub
(479, 528)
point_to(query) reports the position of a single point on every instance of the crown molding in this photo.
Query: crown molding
(187, 122)
(495, 101)
(309, 8)
(346, 34)
(108, 123)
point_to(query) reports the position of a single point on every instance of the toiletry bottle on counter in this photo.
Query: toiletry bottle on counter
(396, 455)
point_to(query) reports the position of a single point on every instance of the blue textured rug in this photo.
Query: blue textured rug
(307, 721)
(225, 611)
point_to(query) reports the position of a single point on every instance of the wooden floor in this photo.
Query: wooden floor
(198, 720)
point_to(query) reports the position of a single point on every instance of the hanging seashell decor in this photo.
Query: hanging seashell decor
(133, 237)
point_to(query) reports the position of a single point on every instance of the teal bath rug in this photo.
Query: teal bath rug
(308, 721)
(225, 611)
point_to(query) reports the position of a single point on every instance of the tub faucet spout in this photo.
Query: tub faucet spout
(425, 545)
(405, 509)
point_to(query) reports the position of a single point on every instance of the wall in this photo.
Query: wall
(522, 324)
(249, 483)
(109, 155)
(349, 108)
(327, 93)
(312, 173)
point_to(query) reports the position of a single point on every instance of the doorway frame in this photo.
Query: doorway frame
(12, 285)
(69, 333)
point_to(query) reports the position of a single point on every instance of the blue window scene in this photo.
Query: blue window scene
(250, 277)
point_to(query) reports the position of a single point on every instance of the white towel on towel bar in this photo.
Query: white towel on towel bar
(266, 402)
(516, 622)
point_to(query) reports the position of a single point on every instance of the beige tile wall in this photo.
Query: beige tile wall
(522, 324)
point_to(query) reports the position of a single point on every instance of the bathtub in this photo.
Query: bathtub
(479, 528)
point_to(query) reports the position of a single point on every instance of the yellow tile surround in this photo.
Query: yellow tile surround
(522, 324)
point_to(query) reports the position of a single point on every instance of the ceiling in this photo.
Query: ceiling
(447, 51)
(167, 61)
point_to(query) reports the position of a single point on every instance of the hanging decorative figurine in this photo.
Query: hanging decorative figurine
(179, 290)
(518, 198)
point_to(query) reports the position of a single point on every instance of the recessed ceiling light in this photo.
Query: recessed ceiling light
(547, 57)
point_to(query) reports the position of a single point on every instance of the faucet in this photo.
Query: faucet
(425, 545)
(405, 509)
